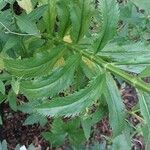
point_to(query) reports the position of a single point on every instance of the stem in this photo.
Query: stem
(136, 82)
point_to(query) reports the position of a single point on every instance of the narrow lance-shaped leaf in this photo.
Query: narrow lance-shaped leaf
(144, 101)
(145, 72)
(35, 66)
(50, 16)
(63, 16)
(56, 82)
(115, 106)
(76, 103)
(109, 19)
(80, 13)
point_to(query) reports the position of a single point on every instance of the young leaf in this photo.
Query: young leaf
(56, 82)
(88, 121)
(115, 106)
(109, 19)
(80, 13)
(76, 103)
(12, 99)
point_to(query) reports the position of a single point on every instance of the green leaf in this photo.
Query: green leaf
(26, 25)
(56, 140)
(115, 106)
(57, 134)
(34, 119)
(51, 85)
(73, 104)
(146, 135)
(38, 65)
(2, 87)
(50, 16)
(88, 121)
(144, 101)
(2, 4)
(37, 13)
(120, 143)
(145, 72)
(15, 85)
(144, 4)
(63, 17)
(12, 99)
(127, 56)
(10, 43)
(4, 145)
(1, 122)
(80, 13)
(109, 18)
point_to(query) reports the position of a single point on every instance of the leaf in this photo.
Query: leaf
(63, 17)
(73, 104)
(115, 106)
(144, 101)
(88, 121)
(56, 140)
(4, 145)
(1, 122)
(26, 25)
(120, 143)
(127, 56)
(50, 16)
(38, 65)
(15, 85)
(56, 82)
(146, 135)
(144, 4)
(34, 119)
(109, 18)
(145, 72)
(80, 14)
(2, 87)
(10, 43)
(57, 134)
(2, 4)
(12, 99)
(26, 5)
(37, 13)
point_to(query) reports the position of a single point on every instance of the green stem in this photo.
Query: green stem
(137, 82)
(134, 81)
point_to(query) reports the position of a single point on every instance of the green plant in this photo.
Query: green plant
(69, 46)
